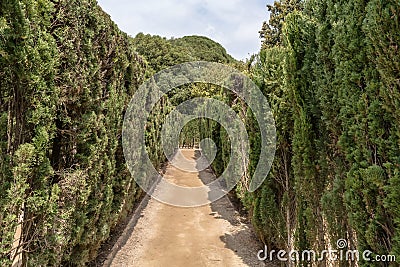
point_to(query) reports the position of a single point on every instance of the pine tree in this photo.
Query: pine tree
(271, 31)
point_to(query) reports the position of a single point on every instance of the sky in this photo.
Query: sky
(232, 23)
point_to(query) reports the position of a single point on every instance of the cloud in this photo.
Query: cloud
(234, 23)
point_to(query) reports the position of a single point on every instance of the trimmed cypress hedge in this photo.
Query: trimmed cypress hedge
(66, 73)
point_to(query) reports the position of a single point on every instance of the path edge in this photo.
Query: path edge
(124, 237)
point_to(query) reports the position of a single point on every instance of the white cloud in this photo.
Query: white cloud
(234, 23)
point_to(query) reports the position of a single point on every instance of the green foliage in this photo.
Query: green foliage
(271, 31)
(330, 71)
(202, 48)
(339, 74)
(161, 53)
(67, 74)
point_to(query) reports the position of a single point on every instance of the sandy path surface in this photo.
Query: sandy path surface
(211, 235)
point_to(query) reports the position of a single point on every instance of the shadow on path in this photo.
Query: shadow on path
(242, 240)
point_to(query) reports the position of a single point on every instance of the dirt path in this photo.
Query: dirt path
(211, 235)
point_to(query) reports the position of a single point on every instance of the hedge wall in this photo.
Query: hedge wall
(66, 73)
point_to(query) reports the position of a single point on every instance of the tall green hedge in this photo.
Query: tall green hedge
(66, 73)
(331, 73)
